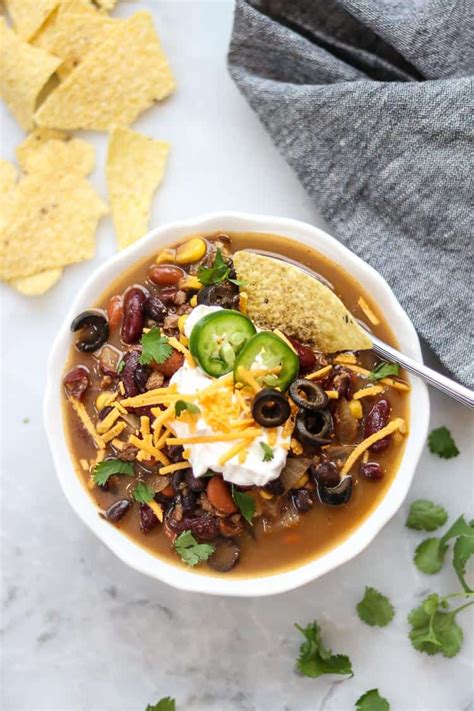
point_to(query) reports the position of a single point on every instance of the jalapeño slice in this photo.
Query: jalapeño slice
(217, 338)
(266, 351)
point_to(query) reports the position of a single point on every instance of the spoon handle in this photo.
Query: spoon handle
(441, 382)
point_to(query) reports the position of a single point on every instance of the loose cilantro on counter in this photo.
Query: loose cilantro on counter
(165, 704)
(104, 470)
(372, 701)
(440, 442)
(375, 609)
(429, 554)
(426, 516)
(315, 659)
(142, 493)
(183, 406)
(219, 272)
(383, 370)
(267, 452)
(433, 626)
(190, 551)
(245, 503)
(155, 347)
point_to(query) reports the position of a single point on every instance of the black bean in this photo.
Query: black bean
(174, 452)
(275, 487)
(177, 480)
(326, 473)
(188, 502)
(140, 376)
(301, 499)
(155, 309)
(117, 510)
(194, 483)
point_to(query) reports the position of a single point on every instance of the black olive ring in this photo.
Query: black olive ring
(308, 395)
(270, 408)
(96, 330)
(337, 495)
(314, 427)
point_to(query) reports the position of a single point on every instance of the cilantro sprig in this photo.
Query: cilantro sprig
(155, 347)
(430, 553)
(375, 609)
(245, 503)
(441, 442)
(142, 493)
(190, 551)
(164, 704)
(217, 273)
(425, 516)
(434, 629)
(184, 406)
(384, 370)
(104, 470)
(372, 701)
(267, 452)
(315, 659)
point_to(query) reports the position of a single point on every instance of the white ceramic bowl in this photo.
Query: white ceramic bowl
(137, 557)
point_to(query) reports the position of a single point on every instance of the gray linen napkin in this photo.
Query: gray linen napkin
(371, 103)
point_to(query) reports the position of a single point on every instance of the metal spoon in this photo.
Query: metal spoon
(436, 380)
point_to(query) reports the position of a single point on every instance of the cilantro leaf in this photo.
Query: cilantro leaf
(426, 516)
(267, 452)
(434, 629)
(440, 442)
(155, 347)
(245, 503)
(375, 609)
(121, 366)
(383, 370)
(165, 704)
(183, 406)
(462, 551)
(190, 551)
(216, 274)
(429, 555)
(314, 659)
(372, 701)
(142, 493)
(104, 470)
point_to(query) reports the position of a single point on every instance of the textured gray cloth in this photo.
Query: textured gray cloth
(371, 103)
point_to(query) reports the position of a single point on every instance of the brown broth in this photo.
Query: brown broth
(323, 527)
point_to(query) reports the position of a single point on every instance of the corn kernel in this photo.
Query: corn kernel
(183, 340)
(265, 494)
(302, 481)
(181, 322)
(243, 301)
(191, 251)
(193, 301)
(165, 257)
(190, 282)
(105, 399)
(296, 447)
(355, 409)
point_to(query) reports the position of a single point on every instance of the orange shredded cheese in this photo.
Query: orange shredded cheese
(345, 358)
(246, 375)
(84, 464)
(156, 508)
(393, 426)
(242, 456)
(159, 443)
(222, 382)
(119, 407)
(242, 402)
(265, 494)
(108, 421)
(81, 412)
(296, 446)
(319, 373)
(114, 431)
(272, 434)
(365, 456)
(288, 427)
(236, 449)
(397, 384)
(281, 335)
(170, 468)
(121, 387)
(162, 416)
(182, 349)
(243, 301)
(355, 408)
(368, 392)
(145, 425)
(222, 437)
(332, 394)
(148, 448)
(364, 306)
(118, 444)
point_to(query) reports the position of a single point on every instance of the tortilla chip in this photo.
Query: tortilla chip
(106, 4)
(8, 177)
(114, 83)
(27, 16)
(44, 37)
(37, 284)
(134, 169)
(40, 154)
(280, 295)
(25, 71)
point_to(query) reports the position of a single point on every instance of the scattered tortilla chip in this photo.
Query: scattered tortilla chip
(27, 16)
(72, 155)
(106, 4)
(37, 138)
(280, 295)
(114, 83)
(8, 177)
(44, 37)
(38, 283)
(25, 71)
(134, 169)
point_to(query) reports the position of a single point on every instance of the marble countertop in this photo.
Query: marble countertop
(82, 632)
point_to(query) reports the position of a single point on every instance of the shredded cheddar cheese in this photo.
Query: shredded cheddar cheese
(114, 432)
(81, 412)
(84, 464)
(368, 392)
(108, 421)
(345, 358)
(246, 375)
(319, 373)
(156, 508)
(296, 446)
(218, 437)
(281, 335)
(233, 451)
(397, 384)
(243, 301)
(332, 394)
(182, 349)
(148, 448)
(393, 426)
(176, 467)
(364, 306)
(265, 494)
(145, 425)
(355, 408)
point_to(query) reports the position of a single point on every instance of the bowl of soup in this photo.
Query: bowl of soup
(217, 414)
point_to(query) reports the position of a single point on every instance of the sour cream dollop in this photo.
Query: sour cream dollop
(205, 455)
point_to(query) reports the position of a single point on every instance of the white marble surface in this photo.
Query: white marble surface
(81, 632)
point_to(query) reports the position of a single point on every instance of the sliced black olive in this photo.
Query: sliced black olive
(225, 294)
(314, 427)
(96, 330)
(270, 408)
(225, 556)
(337, 495)
(308, 395)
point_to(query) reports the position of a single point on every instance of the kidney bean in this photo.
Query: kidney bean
(371, 470)
(376, 420)
(326, 473)
(219, 495)
(148, 519)
(205, 527)
(131, 362)
(194, 483)
(155, 309)
(115, 311)
(305, 355)
(165, 274)
(343, 381)
(171, 365)
(301, 499)
(117, 510)
(168, 295)
(133, 315)
(76, 381)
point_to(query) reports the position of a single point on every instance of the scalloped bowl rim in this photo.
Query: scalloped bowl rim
(132, 553)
